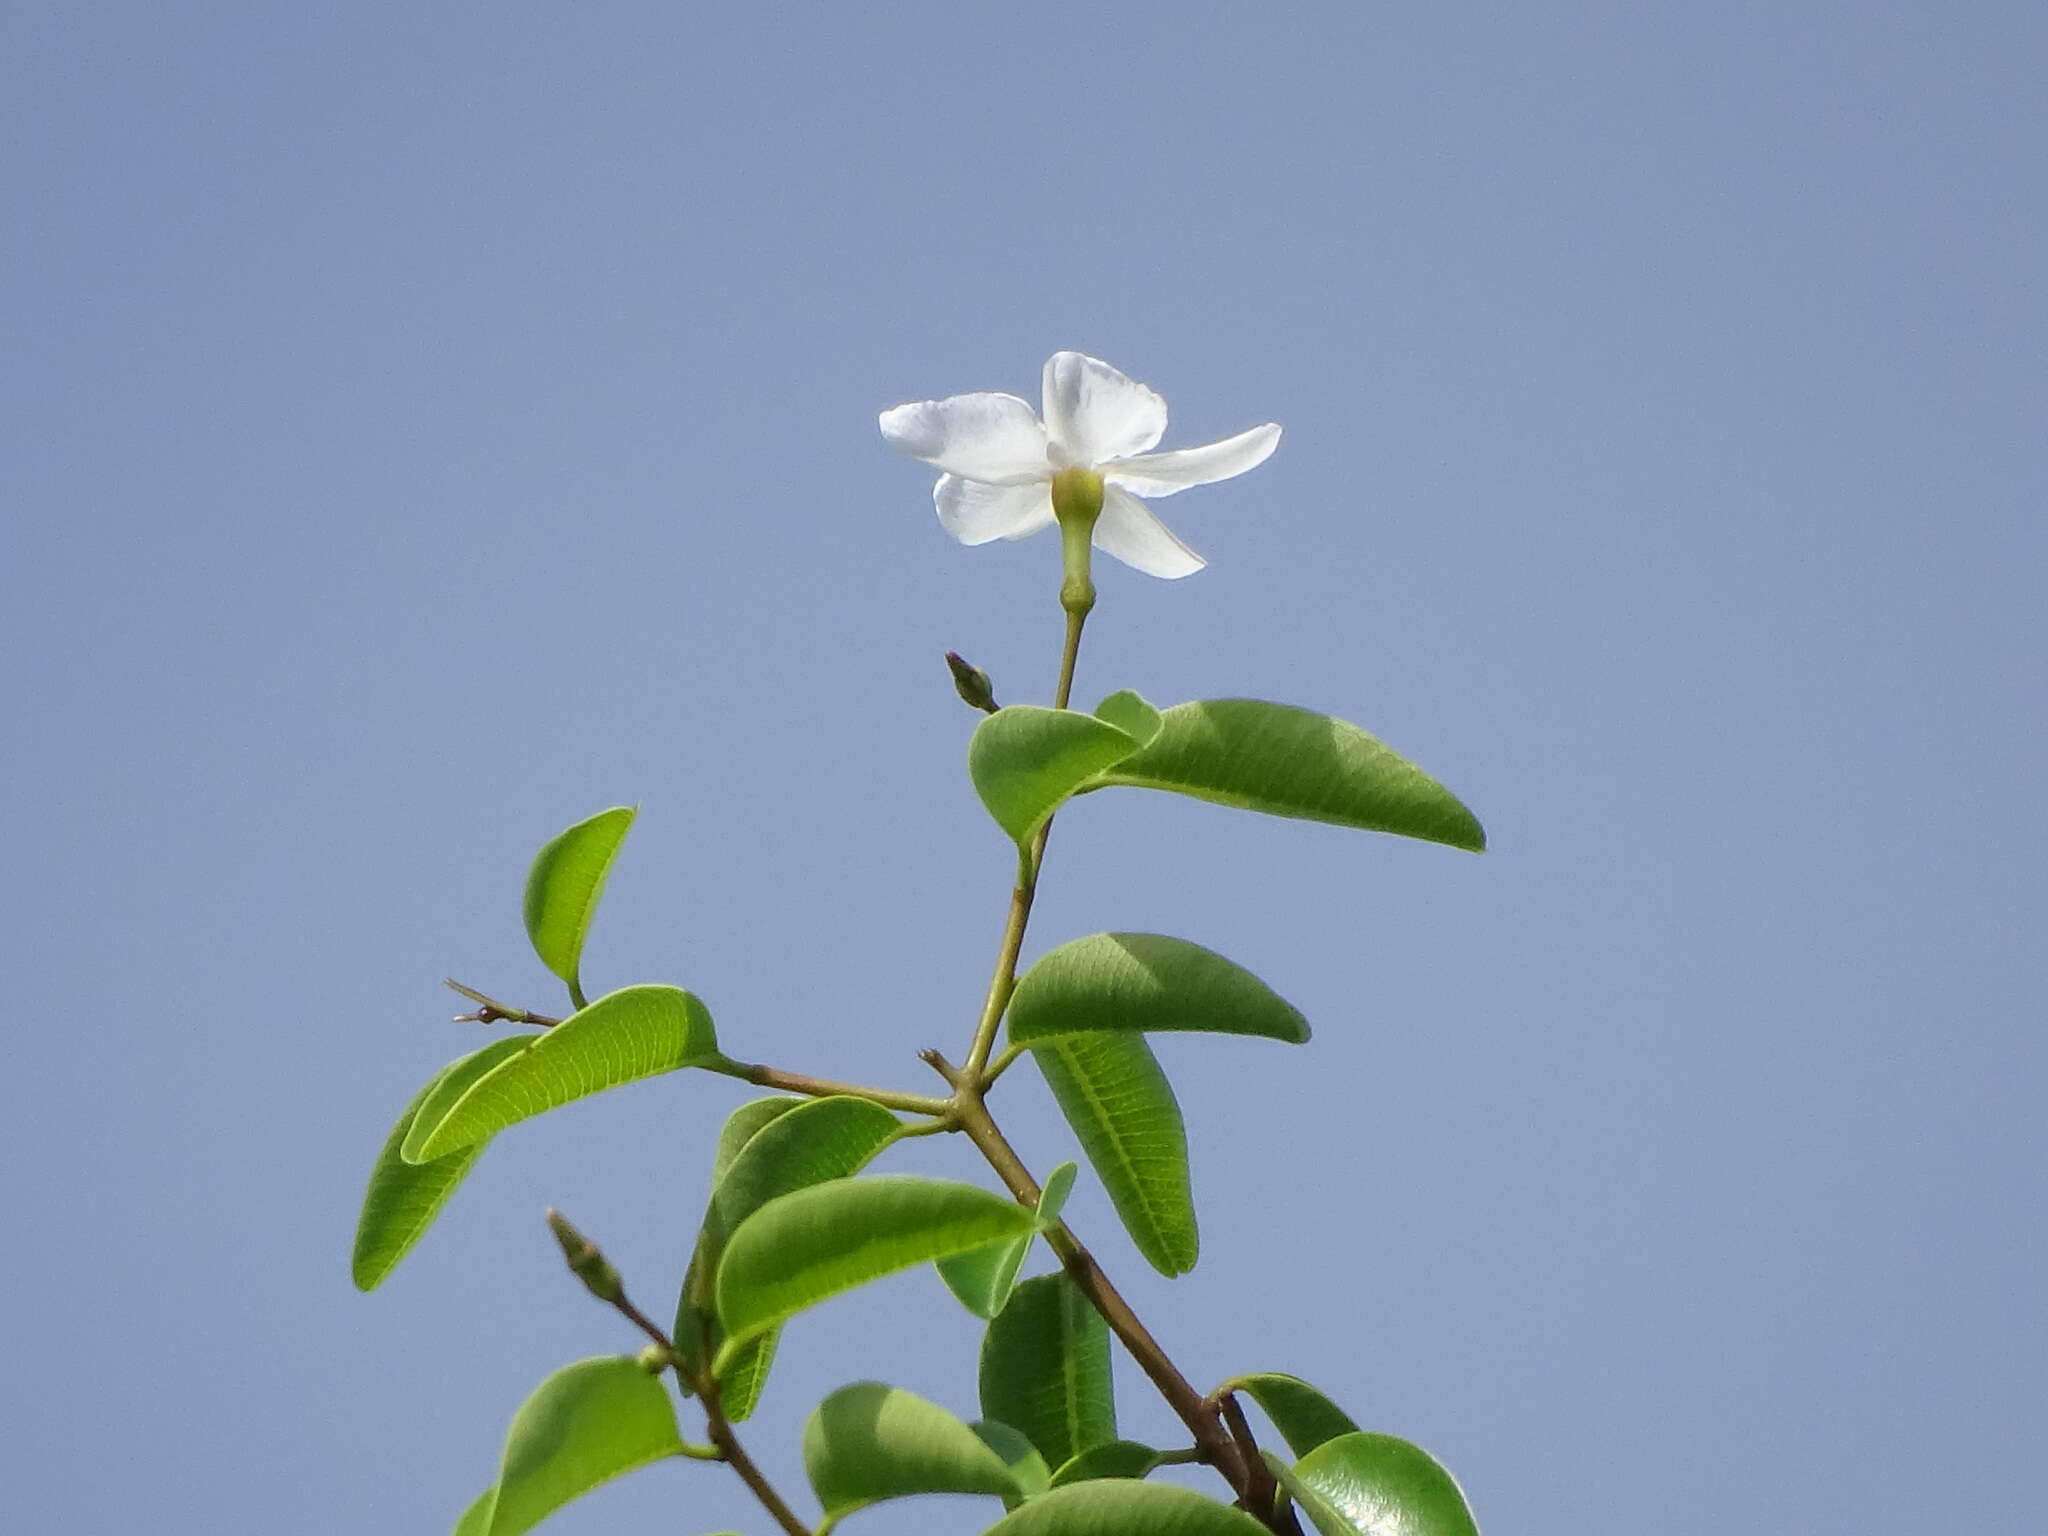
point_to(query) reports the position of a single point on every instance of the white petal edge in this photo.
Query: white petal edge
(974, 513)
(1128, 530)
(989, 437)
(1161, 474)
(1095, 413)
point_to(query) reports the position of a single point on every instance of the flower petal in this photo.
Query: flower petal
(1128, 530)
(989, 437)
(974, 512)
(1095, 413)
(1161, 474)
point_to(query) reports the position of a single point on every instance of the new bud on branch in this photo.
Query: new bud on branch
(585, 1261)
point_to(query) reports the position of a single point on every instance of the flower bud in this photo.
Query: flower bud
(971, 683)
(586, 1262)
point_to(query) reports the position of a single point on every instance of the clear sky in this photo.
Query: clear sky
(424, 426)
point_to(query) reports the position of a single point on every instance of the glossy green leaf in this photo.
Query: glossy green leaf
(446, 1090)
(869, 1442)
(1018, 1454)
(1290, 762)
(1147, 982)
(1304, 1417)
(695, 1328)
(588, 1423)
(1052, 1195)
(404, 1198)
(1025, 762)
(1123, 1112)
(563, 887)
(746, 1373)
(1116, 1458)
(1045, 1368)
(629, 1034)
(476, 1520)
(741, 1125)
(1130, 714)
(803, 1248)
(809, 1143)
(1376, 1485)
(982, 1280)
(1125, 1508)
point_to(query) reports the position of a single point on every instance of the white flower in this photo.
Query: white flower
(997, 460)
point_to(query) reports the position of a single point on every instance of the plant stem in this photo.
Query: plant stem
(1026, 889)
(721, 1431)
(491, 1011)
(718, 1427)
(1070, 653)
(1262, 1493)
(1194, 1410)
(1235, 1456)
(825, 1087)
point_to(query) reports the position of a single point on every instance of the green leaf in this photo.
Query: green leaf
(742, 1124)
(563, 887)
(1045, 1368)
(809, 1143)
(1124, 1508)
(1018, 1454)
(476, 1520)
(1052, 1195)
(404, 1198)
(695, 1327)
(1304, 1417)
(982, 1280)
(629, 1034)
(1116, 1458)
(1290, 762)
(1130, 714)
(804, 1248)
(445, 1091)
(869, 1442)
(1376, 1485)
(1025, 762)
(1123, 1112)
(1145, 981)
(588, 1423)
(746, 1373)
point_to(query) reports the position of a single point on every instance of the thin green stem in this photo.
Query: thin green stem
(1234, 1455)
(1005, 1059)
(1069, 655)
(1004, 982)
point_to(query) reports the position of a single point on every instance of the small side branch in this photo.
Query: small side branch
(490, 1011)
(590, 1266)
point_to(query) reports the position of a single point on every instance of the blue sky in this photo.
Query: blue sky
(423, 427)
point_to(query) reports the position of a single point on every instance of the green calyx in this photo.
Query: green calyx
(1077, 503)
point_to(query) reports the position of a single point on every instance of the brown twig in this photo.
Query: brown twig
(590, 1266)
